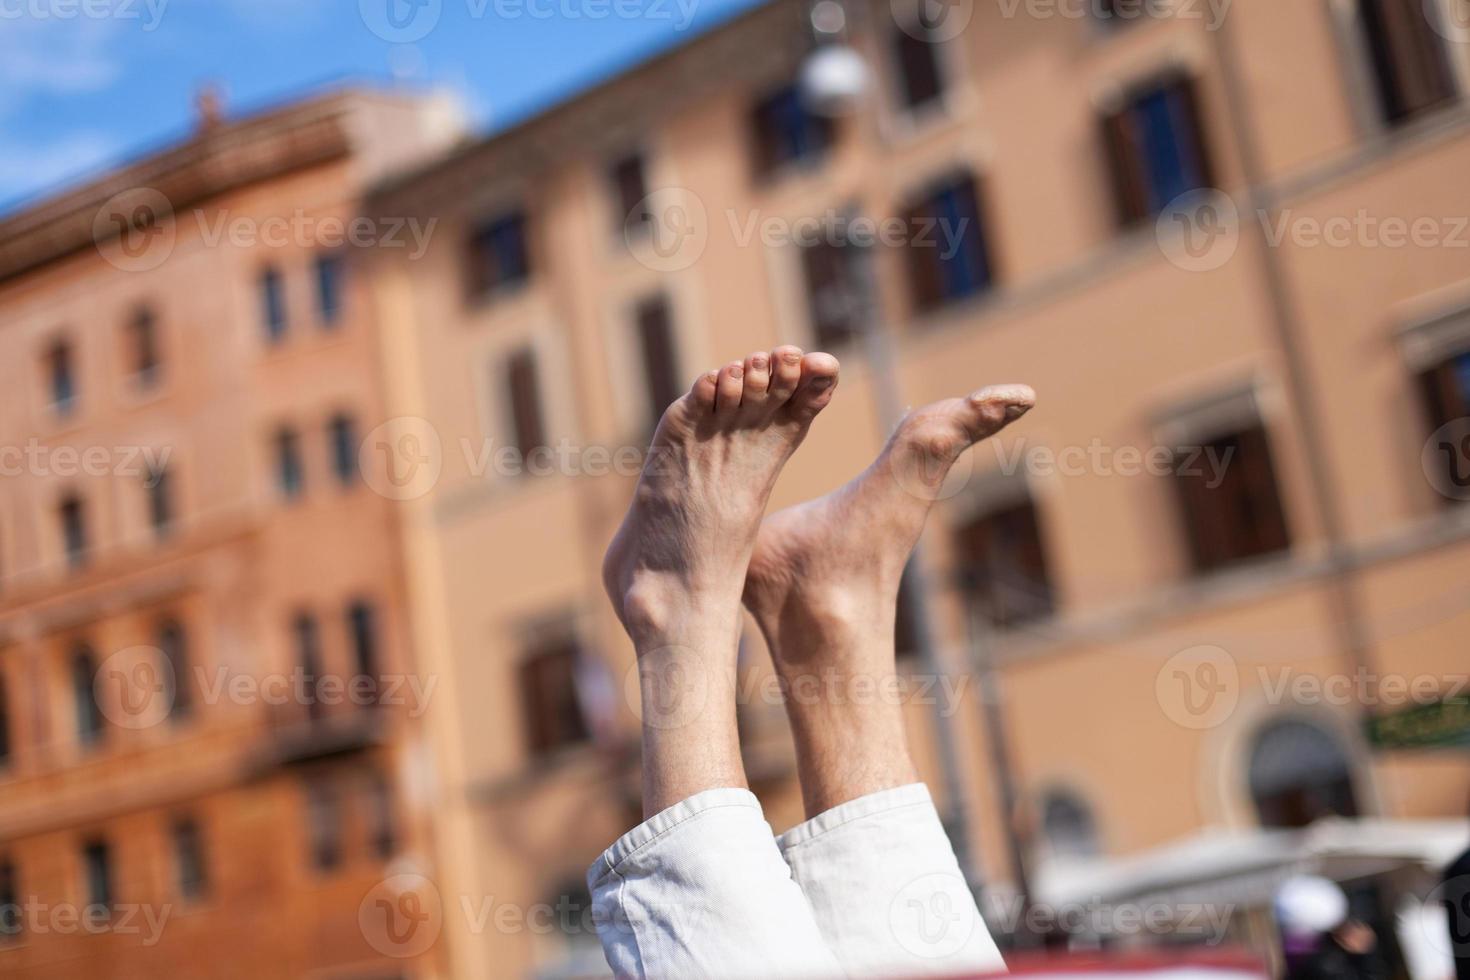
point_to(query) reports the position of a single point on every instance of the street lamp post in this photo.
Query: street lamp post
(834, 81)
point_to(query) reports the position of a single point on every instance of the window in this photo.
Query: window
(97, 882)
(87, 711)
(1002, 565)
(1446, 393)
(324, 825)
(61, 377)
(290, 475)
(342, 438)
(1230, 501)
(174, 646)
(190, 872)
(523, 392)
(73, 516)
(382, 835)
(654, 323)
(273, 303)
(11, 918)
(786, 133)
(329, 270)
(1299, 774)
(1157, 148)
(835, 292)
(549, 699)
(948, 258)
(1411, 72)
(362, 627)
(307, 638)
(630, 192)
(498, 257)
(921, 78)
(142, 339)
(160, 499)
(4, 723)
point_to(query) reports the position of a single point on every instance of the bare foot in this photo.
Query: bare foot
(823, 586)
(676, 568)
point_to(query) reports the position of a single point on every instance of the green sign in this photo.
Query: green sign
(1444, 724)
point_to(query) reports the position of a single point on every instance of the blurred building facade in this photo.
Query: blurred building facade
(203, 729)
(1204, 573)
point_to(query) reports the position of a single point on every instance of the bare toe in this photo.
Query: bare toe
(728, 388)
(702, 395)
(996, 406)
(754, 399)
(785, 373)
(818, 380)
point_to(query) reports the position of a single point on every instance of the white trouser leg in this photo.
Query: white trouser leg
(700, 890)
(882, 880)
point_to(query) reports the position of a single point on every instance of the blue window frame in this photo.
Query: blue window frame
(1157, 147)
(498, 254)
(273, 303)
(786, 132)
(948, 256)
(329, 269)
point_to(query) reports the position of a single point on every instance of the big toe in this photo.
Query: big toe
(814, 392)
(993, 408)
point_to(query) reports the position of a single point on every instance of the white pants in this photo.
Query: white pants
(868, 889)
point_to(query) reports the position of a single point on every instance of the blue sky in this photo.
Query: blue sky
(85, 83)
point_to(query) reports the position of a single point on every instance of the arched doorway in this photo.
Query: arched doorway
(1299, 773)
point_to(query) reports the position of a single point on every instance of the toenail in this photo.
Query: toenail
(758, 361)
(737, 372)
(791, 357)
(1014, 412)
(820, 383)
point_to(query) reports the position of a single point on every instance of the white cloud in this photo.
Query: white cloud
(51, 57)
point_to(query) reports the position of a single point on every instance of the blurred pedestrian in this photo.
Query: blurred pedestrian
(1457, 906)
